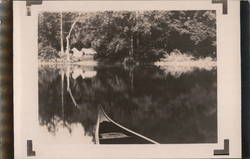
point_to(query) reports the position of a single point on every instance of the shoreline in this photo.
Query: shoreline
(195, 63)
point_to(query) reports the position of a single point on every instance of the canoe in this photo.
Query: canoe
(110, 132)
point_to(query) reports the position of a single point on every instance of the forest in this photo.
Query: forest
(145, 36)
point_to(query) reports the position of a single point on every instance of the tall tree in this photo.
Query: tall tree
(61, 31)
(68, 37)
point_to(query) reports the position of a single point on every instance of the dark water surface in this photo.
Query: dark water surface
(163, 105)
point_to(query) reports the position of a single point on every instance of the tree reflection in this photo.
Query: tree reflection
(146, 99)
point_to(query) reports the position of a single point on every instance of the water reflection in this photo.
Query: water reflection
(165, 106)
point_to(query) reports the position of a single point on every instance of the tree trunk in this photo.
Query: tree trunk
(131, 46)
(67, 48)
(68, 37)
(62, 49)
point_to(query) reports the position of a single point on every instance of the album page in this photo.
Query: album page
(127, 79)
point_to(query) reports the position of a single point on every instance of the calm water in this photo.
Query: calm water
(171, 105)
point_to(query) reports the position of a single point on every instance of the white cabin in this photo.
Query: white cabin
(77, 53)
(88, 51)
(83, 52)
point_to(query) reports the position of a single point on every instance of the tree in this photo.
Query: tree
(61, 31)
(68, 37)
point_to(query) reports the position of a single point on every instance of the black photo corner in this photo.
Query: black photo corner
(6, 79)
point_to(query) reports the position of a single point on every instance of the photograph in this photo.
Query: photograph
(128, 76)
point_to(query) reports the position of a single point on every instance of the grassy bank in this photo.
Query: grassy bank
(185, 60)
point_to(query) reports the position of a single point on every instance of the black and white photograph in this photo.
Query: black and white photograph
(129, 77)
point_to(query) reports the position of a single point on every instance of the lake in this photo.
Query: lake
(168, 105)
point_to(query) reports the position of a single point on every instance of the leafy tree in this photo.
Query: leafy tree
(144, 35)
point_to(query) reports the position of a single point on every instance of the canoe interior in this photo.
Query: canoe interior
(111, 133)
(126, 137)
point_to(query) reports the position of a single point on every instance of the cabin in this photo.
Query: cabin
(76, 53)
(84, 54)
(88, 51)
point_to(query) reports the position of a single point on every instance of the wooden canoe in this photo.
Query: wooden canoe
(110, 132)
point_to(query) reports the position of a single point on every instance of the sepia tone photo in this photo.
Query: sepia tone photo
(128, 77)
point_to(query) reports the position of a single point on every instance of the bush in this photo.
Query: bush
(47, 52)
